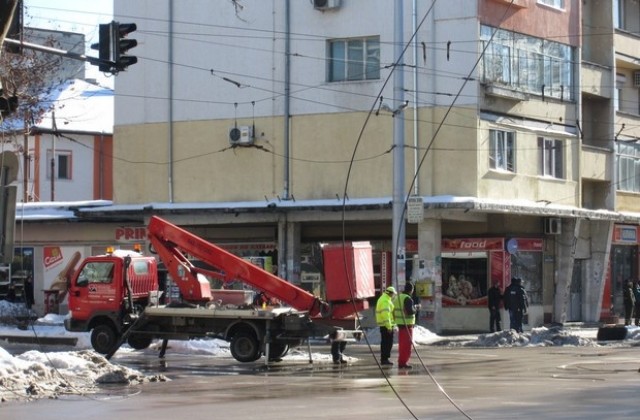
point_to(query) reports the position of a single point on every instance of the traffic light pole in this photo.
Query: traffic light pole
(56, 51)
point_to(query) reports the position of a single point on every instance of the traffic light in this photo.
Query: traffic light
(113, 45)
(122, 44)
(104, 47)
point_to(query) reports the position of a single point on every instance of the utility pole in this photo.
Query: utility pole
(398, 225)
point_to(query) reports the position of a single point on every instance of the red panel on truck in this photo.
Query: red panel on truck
(348, 271)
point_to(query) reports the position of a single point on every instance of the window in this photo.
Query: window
(621, 80)
(558, 4)
(528, 266)
(526, 63)
(502, 150)
(551, 157)
(62, 165)
(96, 272)
(625, 15)
(628, 164)
(354, 59)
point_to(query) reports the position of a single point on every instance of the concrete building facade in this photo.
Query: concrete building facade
(270, 127)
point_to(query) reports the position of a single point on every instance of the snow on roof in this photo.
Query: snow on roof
(76, 209)
(54, 210)
(78, 106)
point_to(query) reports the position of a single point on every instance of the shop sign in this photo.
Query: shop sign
(625, 234)
(130, 234)
(52, 256)
(529, 244)
(472, 244)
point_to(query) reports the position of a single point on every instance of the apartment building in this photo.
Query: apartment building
(270, 128)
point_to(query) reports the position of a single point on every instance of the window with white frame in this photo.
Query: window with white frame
(628, 164)
(62, 164)
(502, 150)
(354, 59)
(558, 4)
(551, 157)
(527, 63)
(625, 15)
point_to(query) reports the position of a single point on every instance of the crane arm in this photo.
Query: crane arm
(172, 242)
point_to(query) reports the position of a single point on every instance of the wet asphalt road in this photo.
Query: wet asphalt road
(462, 382)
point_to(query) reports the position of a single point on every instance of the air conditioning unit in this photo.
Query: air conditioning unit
(241, 136)
(636, 79)
(326, 4)
(552, 226)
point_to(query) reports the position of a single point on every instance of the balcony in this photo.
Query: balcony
(596, 163)
(596, 80)
(627, 47)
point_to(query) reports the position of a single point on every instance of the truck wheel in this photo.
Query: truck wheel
(139, 341)
(103, 339)
(244, 347)
(277, 351)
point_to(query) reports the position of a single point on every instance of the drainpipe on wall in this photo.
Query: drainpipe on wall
(416, 181)
(171, 127)
(287, 93)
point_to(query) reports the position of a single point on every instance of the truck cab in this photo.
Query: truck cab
(99, 289)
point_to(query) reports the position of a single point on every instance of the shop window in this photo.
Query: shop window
(528, 266)
(551, 157)
(502, 150)
(354, 59)
(464, 280)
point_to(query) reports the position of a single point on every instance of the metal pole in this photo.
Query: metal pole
(398, 226)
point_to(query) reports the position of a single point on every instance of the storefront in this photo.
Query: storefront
(623, 267)
(471, 265)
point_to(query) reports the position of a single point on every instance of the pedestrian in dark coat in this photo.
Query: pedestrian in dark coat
(494, 297)
(636, 306)
(629, 300)
(517, 301)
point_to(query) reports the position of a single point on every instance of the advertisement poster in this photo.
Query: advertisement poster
(59, 263)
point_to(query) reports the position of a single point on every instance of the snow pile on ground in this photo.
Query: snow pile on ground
(205, 347)
(540, 337)
(34, 374)
(14, 314)
(421, 335)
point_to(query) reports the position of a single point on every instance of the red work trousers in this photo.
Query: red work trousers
(405, 339)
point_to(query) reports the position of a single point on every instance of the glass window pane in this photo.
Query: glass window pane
(337, 65)
(373, 59)
(355, 57)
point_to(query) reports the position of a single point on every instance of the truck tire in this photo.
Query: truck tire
(139, 341)
(277, 351)
(245, 347)
(103, 338)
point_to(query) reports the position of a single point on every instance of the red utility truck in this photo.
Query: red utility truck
(117, 297)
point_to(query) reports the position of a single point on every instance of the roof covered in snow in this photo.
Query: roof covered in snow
(74, 106)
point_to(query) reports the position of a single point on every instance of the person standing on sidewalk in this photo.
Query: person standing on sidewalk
(494, 297)
(636, 307)
(384, 319)
(405, 315)
(629, 300)
(517, 301)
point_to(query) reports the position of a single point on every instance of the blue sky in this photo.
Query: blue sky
(81, 16)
